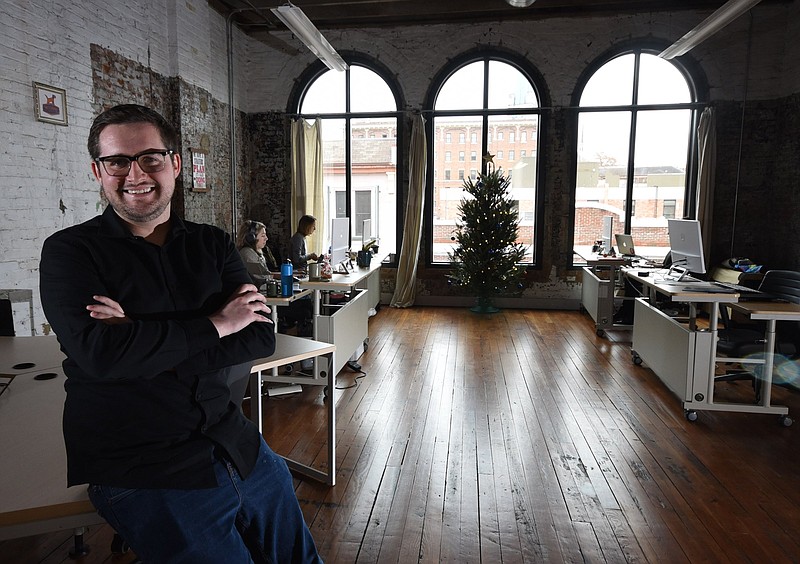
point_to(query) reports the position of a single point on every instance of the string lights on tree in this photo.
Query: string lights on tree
(487, 258)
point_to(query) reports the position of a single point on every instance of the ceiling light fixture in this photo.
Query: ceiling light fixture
(299, 24)
(520, 3)
(708, 27)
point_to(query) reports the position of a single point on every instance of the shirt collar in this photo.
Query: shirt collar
(111, 225)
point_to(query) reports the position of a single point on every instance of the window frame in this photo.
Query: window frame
(304, 83)
(698, 91)
(523, 65)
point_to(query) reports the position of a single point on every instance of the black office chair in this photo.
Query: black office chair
(740, 341)
(6, 319)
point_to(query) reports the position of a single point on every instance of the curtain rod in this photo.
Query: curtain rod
(501, 112)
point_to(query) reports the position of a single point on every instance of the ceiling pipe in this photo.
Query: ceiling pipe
(708, 27)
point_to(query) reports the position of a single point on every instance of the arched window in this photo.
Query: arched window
(490, 102)
(636, 136)
(358, 110)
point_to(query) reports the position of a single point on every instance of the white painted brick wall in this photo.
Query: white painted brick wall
(44, 165)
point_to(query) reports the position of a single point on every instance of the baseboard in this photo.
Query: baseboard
(503, 303)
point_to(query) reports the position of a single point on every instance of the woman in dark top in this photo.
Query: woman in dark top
(262, 266)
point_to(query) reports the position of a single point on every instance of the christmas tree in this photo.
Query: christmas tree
(488, 256)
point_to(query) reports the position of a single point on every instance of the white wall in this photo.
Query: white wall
(45, 167)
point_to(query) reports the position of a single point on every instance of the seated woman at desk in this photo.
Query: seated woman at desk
(257, 257)
(262, 266)
(305, 227)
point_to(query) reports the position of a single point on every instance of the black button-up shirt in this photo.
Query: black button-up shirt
(148, 402)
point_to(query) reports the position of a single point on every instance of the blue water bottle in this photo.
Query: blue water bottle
(287, 278)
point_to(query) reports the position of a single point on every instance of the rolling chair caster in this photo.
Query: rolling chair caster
(691, 415)
(118, 545)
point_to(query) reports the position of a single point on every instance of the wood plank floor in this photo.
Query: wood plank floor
(522, 436)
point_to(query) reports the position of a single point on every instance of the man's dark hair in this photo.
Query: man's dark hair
(131, 113)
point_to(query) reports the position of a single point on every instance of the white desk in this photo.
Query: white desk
(34, 497)
(771, 312)
(274, 302)
(17, 352)
(683, 356)
(348, 326)
(290, 349)
(597, 292)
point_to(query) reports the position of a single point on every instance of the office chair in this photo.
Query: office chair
(6, 319)
(740, 341)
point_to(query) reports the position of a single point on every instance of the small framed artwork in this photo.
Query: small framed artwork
(51, 103)
(199, 178)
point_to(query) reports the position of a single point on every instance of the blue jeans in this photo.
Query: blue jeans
(240, 521)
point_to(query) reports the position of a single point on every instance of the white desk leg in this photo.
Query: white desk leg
(769, 362)
(256, 409)
(712, 324)
(331, 422)
(317, 311)
(328, 477)
(274, 315)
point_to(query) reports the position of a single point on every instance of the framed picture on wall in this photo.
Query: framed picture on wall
(51, 103)
(199, 178)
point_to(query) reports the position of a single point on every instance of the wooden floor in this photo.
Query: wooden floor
(522, 436)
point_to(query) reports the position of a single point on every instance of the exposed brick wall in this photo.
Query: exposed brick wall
(267, 198)
(758, 219)
(173, 55)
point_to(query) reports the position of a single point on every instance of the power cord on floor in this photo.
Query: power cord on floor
(355, 367)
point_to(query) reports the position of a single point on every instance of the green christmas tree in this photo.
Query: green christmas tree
(488, 256)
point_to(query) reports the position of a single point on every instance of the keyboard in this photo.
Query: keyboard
(747, 294)
(739, 288)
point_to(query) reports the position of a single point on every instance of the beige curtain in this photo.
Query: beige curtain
(307, 185)
(706, 163)
(405, 286)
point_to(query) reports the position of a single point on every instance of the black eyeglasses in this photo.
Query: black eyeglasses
(148, 161)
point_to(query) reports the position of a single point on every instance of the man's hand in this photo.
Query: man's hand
(108, 311)
(244, 307)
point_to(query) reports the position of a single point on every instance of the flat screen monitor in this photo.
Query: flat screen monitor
(625, 245)
(340, 241)
(366, 230)
(686, 245)
(608, 233)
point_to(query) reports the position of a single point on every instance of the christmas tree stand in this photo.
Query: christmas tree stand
(484, 305)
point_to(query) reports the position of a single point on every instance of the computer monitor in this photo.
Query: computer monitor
(368, 240)
(340, 242)
(686, 245)
(625, 244)
(607, 235)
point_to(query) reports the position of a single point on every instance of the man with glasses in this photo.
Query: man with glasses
(154, 314)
